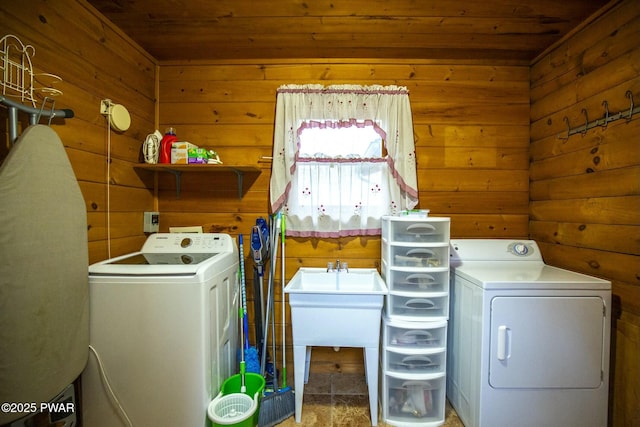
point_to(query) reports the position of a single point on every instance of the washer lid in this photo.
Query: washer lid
(141, 258)
(170, 254)
(526, 275)
(153, 264)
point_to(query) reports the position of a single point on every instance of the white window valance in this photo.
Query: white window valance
(386, 106)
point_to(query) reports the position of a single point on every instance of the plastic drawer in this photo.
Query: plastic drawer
(416, 280)
(423, 336)
(414, 230)
(412, 362)
(416, 256)
(418, 307)
(413, 399)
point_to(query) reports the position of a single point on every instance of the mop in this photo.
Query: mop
(279, 405)
(250, 354)
(243, 370)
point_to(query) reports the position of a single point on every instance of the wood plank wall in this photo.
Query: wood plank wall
(95, 61)
(472, 133)
(585, 190)
(471, 123)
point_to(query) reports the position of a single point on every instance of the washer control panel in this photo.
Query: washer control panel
(188, 243)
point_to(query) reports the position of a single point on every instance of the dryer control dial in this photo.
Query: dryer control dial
(520, 249)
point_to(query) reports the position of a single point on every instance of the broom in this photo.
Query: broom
(279, 405)
(285, 389)
(267, 368)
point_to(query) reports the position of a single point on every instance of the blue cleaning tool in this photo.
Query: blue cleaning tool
(250, 355)
(264, 228)
(260, 244)
(260, 251)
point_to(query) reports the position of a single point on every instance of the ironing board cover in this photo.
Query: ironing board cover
(44, 291)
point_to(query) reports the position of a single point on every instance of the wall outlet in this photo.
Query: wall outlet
(151, 222)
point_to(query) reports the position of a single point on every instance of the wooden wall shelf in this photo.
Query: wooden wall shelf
(178, 170)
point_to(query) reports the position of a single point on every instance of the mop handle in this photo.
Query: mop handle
(243, 278)
(273, 239)
(274, 347)
(241, 312)
(284, 308)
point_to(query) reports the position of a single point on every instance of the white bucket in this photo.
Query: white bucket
(230, 409)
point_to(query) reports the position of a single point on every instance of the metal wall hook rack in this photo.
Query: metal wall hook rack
(602, 122)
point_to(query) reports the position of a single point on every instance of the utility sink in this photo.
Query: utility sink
(359, 281)
(336, 309)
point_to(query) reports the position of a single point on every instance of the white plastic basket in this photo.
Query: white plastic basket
(231, 409)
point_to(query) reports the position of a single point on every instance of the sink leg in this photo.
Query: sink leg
(371, 369)
(366, 369)
(300, 372)
(307, 363)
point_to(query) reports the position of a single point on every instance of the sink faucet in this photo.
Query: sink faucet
(341, 267)
(338, 267)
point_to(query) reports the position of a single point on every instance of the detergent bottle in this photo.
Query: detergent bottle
(165, 145)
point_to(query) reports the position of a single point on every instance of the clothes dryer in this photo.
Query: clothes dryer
(163, 331)
(528, 342)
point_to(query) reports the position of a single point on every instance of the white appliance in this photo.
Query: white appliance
(163, 323)
(59, 411)
(528, 342)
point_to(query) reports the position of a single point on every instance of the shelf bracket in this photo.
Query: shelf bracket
(240, 177)
(178, 176)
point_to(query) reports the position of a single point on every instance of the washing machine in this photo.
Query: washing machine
(163, 331)
(528, 342)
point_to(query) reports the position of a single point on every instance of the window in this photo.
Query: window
(340, 140)
(338, 175)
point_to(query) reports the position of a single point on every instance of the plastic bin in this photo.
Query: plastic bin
(253, 382)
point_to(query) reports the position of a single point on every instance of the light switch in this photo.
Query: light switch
(151, 222)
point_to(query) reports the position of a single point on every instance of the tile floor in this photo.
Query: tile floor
(342, 400)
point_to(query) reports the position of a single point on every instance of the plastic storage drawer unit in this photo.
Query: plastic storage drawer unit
(415, 267)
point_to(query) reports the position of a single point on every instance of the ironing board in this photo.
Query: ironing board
(44, 292)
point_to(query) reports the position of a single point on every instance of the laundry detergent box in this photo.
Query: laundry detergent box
(197, 155)
(180, 152)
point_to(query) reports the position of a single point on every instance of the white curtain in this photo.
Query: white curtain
(338, 197)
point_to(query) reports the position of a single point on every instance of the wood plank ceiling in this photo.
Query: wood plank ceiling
(495, 30)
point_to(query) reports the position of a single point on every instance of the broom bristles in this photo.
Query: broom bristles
(276, 407)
